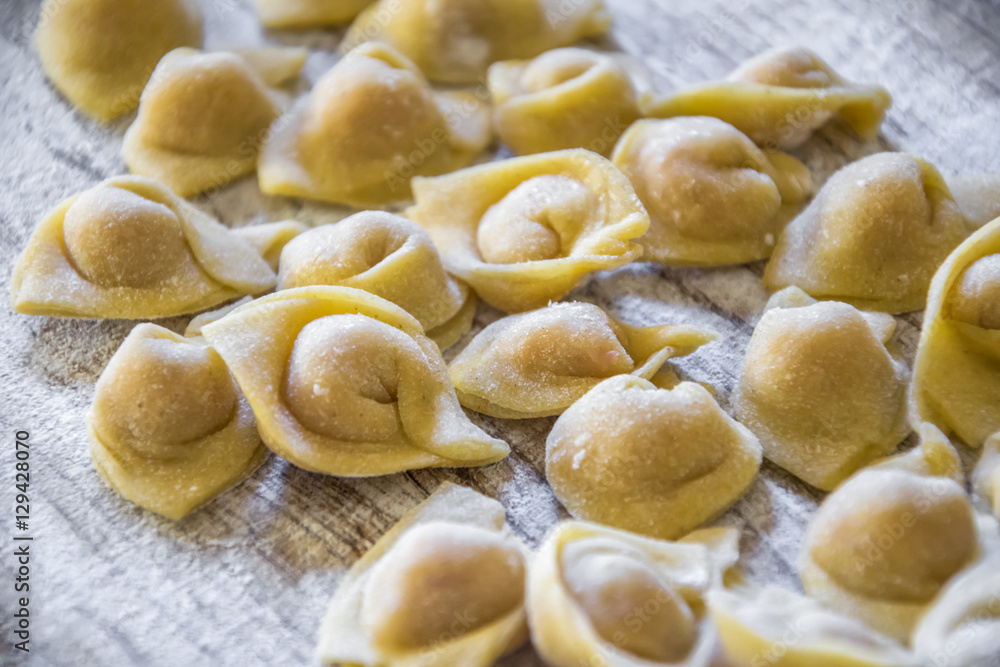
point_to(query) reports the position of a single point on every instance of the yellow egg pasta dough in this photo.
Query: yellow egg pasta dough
(713, 197)
(345, 383)
(129, 248)
(169, 428)
(525, 231)
(444, 587)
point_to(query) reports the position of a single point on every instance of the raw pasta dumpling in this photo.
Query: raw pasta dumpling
(169, 429)
(776, 627)
(885, 543)
(389, 256)
(873, 237)
(444, 587)
(100, 53)
(956, 375)
(369, 125)
(539, 363)
(526, 231)
(130, 248)
(599, 596)
(781, 97)
(962, 626)
(713, 197)
(653, 461)
(346, 383)
(566, 98)
(204, 116)
(454, 41)
(308, 13)
(822, 388)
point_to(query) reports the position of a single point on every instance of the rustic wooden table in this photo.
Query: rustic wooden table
(246, 580)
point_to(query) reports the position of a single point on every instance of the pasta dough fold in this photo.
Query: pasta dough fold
(130, 248)
(346, 383)
(526, 231)
(712, 196)
(821, 388)
(454, 41)
(390, 257)
(539, 363)
(204, 116)
(100, 53)
(369, 125)
(873, 237)
(600, 596)
(283, 14)
(654, 461)
(884, 543)
(169, 429)
(780, 98)
(445, 586)
(566, 98)
(956, 376)
(786, 629)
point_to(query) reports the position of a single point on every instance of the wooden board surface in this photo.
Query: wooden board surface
(246, 580)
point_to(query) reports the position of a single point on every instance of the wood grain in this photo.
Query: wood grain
(245, 581)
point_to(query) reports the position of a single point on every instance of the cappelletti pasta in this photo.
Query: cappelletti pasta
(169, 429)
(873, 236)
(599, 596)
(445, 586)
(780, 98)
(204, 116)
(537, 364)
(526, 231)
(389, 256)
(713, 197)
(369, 125)
(346, 383)
(454, 41)
(130, 248)
(885, 543)
(652, 461)
(956, 377)
(565, 98)
(100, 53)
(822, 388)
(775, 626)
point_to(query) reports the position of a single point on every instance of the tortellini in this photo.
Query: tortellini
(566, 98)
(390, 257)
(712, 196)
(454, 41)
(130, 248)
(204, 116)
(539, 363)
(599, 596)
(883, 545)
(169, 429)
(444, 587)
(821, 389)
(956, 376)
(873, 237)
(308, 13)
(986, 476)
(346, 383)
(368, 126)
(653, 461)
(781, 97)
(962, 627)
(526, 231)
(777, 627)
(100, 53)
